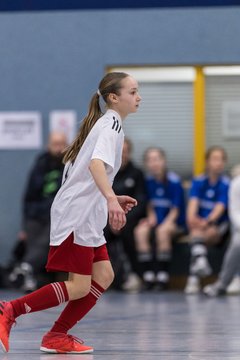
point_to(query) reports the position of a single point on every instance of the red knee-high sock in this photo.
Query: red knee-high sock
(77, 309)
(44, 298)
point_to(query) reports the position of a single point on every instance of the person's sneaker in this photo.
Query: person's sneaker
(162, 281)
(55, 342)
(6, 321)
(234, 287)
(149, 280)
(200, 267)
(193, 285)
(133, 283)
(214, 290)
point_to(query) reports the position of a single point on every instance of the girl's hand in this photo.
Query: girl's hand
(194, 222)
(116, 214)
(126, 202)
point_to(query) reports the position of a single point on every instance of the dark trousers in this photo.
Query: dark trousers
(38, 235)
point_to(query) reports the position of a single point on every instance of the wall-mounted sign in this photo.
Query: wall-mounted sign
(20, 130)
(64, 121)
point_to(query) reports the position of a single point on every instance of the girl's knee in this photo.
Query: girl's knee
(163, 233)
(142, 241)
(140, 229)
(104, 278)
(107, 278)
(111, 277)
(77, 291)
(81, 292)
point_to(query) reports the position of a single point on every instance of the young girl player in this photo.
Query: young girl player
(78, 215)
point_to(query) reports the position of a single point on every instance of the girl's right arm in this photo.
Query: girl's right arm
(117, 217)
(192, 210)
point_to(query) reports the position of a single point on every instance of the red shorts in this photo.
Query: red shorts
(74, 258)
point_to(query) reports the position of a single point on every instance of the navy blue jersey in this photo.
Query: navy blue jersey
(165, 195)
(210, 194)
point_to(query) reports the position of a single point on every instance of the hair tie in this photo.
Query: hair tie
(98, 92)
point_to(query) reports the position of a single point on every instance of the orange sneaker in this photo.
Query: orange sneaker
(55, 342)
(6, 321)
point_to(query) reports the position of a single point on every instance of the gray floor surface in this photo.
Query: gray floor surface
(169, 326)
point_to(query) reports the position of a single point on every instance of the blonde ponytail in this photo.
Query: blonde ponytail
(93, 115)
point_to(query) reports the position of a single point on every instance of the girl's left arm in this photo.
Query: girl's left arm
(216, 213)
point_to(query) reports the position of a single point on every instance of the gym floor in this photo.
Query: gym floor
(141, 326)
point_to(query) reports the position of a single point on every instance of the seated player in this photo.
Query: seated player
(121, 245)
(229, 276)
(165, 218)
(207, 216)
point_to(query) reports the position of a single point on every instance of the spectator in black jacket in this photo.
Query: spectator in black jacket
(121, 245)
(42, 185)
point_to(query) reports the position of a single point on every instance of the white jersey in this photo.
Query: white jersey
(79, 206)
